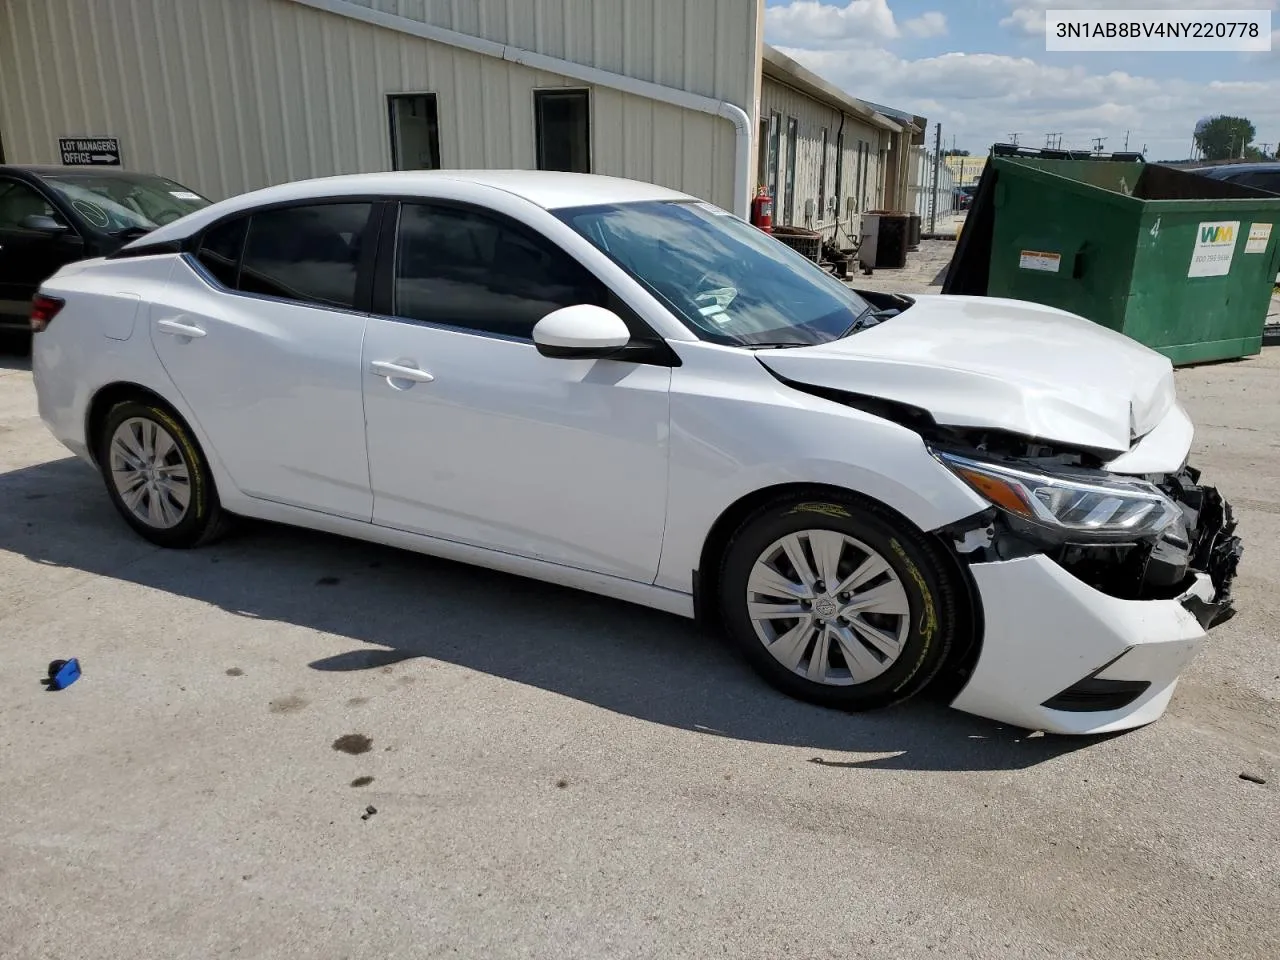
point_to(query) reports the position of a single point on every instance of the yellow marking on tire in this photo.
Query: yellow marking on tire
(825, 509)
(193, 457)
(928, 616)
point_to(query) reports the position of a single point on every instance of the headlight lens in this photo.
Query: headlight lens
(1101, 505)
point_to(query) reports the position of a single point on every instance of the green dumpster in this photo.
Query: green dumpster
(1179, 262)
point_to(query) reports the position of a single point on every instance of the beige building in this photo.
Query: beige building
(230, 95)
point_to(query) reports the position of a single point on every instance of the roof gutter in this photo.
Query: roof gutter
(567, 68)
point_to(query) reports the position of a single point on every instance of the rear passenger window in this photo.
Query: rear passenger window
(308, 254)
(465, 269)
(220, 250)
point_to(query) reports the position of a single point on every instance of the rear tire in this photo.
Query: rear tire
(157, 476)
(835, 600)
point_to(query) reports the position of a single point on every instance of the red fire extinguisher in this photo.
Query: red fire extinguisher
(762, 211)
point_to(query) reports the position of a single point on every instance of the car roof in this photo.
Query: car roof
(1223, 169)
(114, 173)
(543, 188)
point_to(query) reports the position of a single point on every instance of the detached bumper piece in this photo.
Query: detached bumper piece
(1216, 550)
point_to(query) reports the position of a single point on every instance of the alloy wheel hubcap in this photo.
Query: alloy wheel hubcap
(828, 607)
(149, 473)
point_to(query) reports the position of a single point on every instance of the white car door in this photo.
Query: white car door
(474, 436)
(260, 334)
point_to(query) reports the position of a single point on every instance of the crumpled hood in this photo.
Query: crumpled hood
(999, 364)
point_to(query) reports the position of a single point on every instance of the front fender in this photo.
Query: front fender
(726, 446)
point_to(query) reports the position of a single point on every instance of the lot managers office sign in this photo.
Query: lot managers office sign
(89, 151)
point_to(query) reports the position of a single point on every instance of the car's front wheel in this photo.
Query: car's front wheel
(157, 477)
(837, 601)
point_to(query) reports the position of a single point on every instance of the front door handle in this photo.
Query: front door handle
(396, 371)
(178, 329)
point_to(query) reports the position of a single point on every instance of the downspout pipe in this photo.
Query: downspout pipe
(735, 114)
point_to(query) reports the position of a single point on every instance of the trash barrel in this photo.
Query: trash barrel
(1180, 262)
(913, 234)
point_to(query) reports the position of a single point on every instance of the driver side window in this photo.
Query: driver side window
(462, 268)
(17, 201)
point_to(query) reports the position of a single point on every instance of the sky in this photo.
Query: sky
(980, 68)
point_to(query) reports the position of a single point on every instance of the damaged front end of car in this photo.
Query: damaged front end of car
(1156, 537)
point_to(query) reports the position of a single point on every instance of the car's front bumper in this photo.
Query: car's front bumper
(1060, 656)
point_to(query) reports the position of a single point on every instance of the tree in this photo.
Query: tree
(955, 153)
(1224, 138)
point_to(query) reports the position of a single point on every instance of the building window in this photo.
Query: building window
(775, 145)
(563, 129)
(839, 194)
(822, 180)
(793, 147)
(415, 131)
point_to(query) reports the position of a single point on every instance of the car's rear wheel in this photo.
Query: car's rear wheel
(157, 476)
(837, 601)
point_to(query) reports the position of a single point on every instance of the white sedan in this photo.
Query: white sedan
(616, 387)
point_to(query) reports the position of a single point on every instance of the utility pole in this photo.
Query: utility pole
(1013, 138)
(1126, 141)
(1097, 144)
(937, 172)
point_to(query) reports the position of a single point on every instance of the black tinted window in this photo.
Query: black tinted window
(308, 254)
(1264, 180)
(220, 250)
(469, 270)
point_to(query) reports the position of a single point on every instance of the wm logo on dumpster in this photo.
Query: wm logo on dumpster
(1216, 233)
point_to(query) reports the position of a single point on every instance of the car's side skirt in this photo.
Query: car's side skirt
(644, 594)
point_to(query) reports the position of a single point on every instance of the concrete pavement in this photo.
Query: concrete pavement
(556, 775)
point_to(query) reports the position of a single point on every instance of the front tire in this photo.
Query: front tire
(837, 601)
(157, 476)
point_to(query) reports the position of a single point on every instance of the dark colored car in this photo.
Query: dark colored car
(50, 216)
(1264, 176)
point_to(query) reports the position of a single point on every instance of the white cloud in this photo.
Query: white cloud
(1027, 16)
(813, 24)
(983, 97)
(931, 24)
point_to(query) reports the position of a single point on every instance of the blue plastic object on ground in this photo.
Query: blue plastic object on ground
(63, 673)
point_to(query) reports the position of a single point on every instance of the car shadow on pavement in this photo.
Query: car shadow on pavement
(395, 605)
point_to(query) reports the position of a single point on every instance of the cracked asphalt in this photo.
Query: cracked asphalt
(290, 746)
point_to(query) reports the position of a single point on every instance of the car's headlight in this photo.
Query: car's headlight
(1103, 505)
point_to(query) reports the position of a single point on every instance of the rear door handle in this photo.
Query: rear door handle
(179, 329)
(396, 371)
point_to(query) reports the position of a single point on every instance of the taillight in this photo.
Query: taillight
(43, 310)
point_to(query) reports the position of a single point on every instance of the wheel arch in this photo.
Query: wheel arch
(967, 646)
(109, 396)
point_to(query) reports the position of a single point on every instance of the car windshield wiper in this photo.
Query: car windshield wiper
(775, 345)
(866, 317)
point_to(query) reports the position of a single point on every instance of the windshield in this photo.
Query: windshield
(729, 282)
(116, 204)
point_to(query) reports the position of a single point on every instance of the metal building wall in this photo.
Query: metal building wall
(231, 95)
(813, 117)
(702, 46)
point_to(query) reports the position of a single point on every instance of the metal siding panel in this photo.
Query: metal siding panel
(666, 145)
(240, 98)
(579, 31)
(609, 49)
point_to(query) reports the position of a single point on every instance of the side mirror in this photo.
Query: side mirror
(582, 332)
(42, 224)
